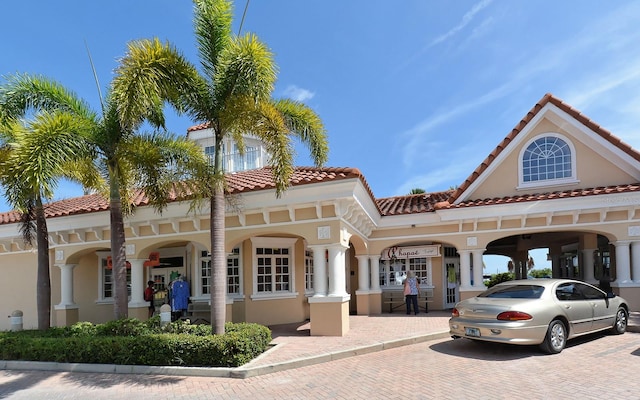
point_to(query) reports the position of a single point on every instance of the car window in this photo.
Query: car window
(590, 292)
(514, 292)
(569, 292)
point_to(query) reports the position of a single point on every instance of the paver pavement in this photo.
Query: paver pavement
(593, 367)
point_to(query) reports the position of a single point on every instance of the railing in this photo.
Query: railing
(251, 159)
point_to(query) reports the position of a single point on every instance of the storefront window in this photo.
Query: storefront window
(308, 271)
(234, 272)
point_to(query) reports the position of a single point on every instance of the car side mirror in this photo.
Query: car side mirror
(610, 295)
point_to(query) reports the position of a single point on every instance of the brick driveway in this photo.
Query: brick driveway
(594, 367)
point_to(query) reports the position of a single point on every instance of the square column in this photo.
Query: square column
(329, 314)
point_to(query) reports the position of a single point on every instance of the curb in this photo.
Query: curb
(241, 372)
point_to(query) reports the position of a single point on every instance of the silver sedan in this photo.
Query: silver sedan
(545, 312)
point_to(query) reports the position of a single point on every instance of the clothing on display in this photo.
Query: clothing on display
(179, 295)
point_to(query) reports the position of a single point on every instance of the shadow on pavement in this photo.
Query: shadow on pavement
(489, 351)
(23, 381)
(107, 380)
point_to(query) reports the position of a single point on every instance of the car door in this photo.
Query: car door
(603, 316)
(577, 309)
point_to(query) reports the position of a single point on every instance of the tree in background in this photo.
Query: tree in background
(540, 273)
(499, 278)
(417, 191)
(232, 94)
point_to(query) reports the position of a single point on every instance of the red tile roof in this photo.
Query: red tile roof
(198, 127)
(411, 204)
(261, 179)
(239, 182)
(635, 187)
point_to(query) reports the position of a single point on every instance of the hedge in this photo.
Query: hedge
(132, 342)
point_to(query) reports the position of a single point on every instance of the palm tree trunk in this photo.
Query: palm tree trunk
(43, 295)
(118, 253)
(218, 262)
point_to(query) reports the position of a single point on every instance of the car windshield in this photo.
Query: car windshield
(514, 292)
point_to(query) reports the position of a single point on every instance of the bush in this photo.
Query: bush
(499, 278)
(133, 342)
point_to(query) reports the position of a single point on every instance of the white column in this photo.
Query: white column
(465, 270)
(588, 266)
(137, 283)
(363, 273)
(66, 286)
(374, 266)
(623, 270)
(635, 261)
(319, 270)
(337, 275)
(478, 281)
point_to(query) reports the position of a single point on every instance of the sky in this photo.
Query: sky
(413, 93)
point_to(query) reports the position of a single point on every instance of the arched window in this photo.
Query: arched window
(547, 158)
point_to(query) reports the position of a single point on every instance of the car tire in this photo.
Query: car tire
(556, 338)
(620, 324)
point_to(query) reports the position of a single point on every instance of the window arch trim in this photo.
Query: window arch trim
(572, 179)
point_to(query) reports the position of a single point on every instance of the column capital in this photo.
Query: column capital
(66, 266)
(338, 246)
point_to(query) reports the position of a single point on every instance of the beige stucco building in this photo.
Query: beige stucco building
(328, 248)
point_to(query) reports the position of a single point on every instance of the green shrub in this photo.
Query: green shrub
(132, 342)
(499, 278)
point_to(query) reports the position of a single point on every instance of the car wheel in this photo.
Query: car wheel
(556, 338)
(620, 325)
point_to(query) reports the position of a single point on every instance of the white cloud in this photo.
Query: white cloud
(466, 19)
(298, 94)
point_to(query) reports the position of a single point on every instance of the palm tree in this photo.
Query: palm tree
(232, 95)
(126, 159)
(417, 191)
(36, 154)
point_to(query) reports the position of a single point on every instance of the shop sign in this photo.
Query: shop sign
(411, 252)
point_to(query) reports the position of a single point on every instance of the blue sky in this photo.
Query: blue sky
(413, 93)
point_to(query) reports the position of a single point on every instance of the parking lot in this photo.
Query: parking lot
(594, 367)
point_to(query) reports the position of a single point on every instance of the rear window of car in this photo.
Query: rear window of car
(514, 292)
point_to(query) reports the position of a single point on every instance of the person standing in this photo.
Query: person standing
(411, 292)
(148, 296)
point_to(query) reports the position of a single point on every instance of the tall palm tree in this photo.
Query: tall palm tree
(36, 154)
(231, 93)
(126, 158)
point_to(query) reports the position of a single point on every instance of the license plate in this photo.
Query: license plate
(472, 332)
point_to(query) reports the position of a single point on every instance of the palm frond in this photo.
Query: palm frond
(212, 25)
(245, 68)
(24, 92)
(165, 166)
(306, 125)
(150, 73)
(274, 133)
